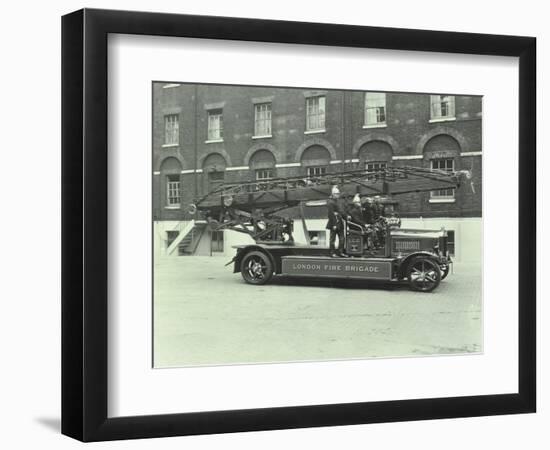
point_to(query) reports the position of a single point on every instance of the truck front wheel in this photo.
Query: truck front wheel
(256, 268)
(424, 274)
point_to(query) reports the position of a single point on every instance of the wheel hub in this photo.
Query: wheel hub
(257, 268)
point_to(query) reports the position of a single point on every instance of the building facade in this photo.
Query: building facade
(204, 135)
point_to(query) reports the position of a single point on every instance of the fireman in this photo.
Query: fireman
(368, 221)
(356, 211)
(359, 215)
(335, 224)
(378, 209)
(379, 222)
(368, 211)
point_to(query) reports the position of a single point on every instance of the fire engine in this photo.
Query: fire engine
(418, 257)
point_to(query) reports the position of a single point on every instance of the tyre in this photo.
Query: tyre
(424, 274)
(256, 268)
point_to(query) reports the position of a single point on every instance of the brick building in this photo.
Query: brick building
(207, 134)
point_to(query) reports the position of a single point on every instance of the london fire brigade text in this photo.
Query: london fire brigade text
(336, 267)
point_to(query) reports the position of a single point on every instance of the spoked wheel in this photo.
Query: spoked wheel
(424, 274)
(256, 268)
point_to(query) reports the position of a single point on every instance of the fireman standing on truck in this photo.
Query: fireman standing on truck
(379, 210)
(368, 211)
(356, 211)
(379, 222)
(335, 224)
(358, 216)
(368, 219)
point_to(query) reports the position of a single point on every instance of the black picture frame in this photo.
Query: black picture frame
(84, 224)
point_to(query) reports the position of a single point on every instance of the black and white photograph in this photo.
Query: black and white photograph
(311, 224)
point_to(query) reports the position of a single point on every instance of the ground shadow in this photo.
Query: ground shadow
(52, 423)
(336, 283)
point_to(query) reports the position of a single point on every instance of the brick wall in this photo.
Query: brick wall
(407, 133)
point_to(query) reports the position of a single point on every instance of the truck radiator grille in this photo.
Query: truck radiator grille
(407, 245)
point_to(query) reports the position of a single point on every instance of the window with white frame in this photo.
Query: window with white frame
(173, 197)
(447, 165)
(171, 129)
(375, 108)
(375, 166)
(215, 125)
(262, 119)
(315, 113)
(442, 107)
(265, 174)
(316, 171)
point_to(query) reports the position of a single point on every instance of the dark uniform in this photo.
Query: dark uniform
(378, 210)
(379, 226)
(335, 224)
(356, 213)
(362, 215)
(368, 213)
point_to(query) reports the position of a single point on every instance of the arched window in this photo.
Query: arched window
(442, 152)
(262, 164)
(442, 143)
(213, 169)
(316, 160)
(375, 156)
(170, 170)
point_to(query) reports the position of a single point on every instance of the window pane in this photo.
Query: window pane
(171, 129)
(264, 174)
(321, 112)
(375, 99)
(217, 241)
(316, 171)
(446, 164)
(315, 113)
(173, 190)
(262, 119)
(375, 166)
(442, 106)
(375, 108)
(215, 125)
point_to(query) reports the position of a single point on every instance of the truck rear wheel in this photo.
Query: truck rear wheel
(424, 274)
(256, 268)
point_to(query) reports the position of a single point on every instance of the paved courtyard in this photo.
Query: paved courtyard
(204, 314)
